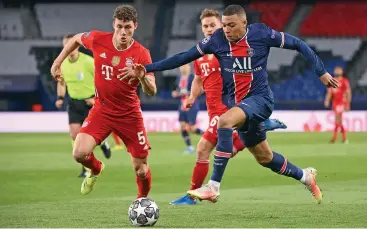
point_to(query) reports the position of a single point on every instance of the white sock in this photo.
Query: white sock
(215, 185)
(303, 179)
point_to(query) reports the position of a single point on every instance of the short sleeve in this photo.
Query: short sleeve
(146, 59)
(272, 37)
(88, 38)
(197, 70)
(207, 45)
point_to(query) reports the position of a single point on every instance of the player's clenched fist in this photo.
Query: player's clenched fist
(56, 71)
(189, 102)
(329, 81)
(59, 103)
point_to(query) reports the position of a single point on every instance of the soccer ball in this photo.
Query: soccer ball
(143, 212)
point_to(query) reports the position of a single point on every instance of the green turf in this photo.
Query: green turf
(39, 187)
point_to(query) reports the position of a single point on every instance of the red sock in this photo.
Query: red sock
(92, 163)
(336, 129)
(116, 139)
(144, 184)
(344, 133)
(237, 143)
(199, 173)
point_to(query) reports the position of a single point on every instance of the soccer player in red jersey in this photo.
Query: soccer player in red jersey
(341, 98)
(117, 105)
(208, 77)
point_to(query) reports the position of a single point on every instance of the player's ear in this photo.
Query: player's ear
(136, 25)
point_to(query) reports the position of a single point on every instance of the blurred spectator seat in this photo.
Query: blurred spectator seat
(275, 15)
(16, 58)
(336, 19)
(363, 80)
(10, 24)
(344, 47)
(58, 19)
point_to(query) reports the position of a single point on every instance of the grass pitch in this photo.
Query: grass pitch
(39, 185)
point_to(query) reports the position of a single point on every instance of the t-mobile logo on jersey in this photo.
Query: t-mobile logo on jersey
(205, 68)
(107, 71)
(245, 65)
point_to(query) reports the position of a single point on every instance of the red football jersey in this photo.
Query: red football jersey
(113, 96)
(208, 68)
(339, 94)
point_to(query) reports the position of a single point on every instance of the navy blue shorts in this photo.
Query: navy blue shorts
(257, 108)
(188, 116)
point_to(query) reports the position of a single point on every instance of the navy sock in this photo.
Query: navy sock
(199, 131)
(222, 153)
(186, 137)
(281, 165)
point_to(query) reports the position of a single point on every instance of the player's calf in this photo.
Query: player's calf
(143, 176)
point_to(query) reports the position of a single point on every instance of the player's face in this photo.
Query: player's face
(338, 72)
(234, 27)
(73, 53)
(209, 25)
(124, 31)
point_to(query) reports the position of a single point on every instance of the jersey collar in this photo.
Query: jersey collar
(121, 50)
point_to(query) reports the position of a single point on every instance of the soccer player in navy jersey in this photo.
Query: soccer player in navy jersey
(242, 51)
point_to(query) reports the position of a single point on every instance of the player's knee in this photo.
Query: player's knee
(202, 153)
(141, 170)
(192, 128)
(225, 122)
(79, 154)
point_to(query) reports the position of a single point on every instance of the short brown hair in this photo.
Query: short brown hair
(125, 13)
(234, 9)
(209, 13)
(68, 36)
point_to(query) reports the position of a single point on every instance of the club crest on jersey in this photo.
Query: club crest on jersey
(115, 60)
(129, 61)
(250, 52)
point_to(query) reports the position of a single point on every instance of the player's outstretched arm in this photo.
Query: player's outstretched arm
(72, 44)
(294, 43)
(287, 41)
(174, 61)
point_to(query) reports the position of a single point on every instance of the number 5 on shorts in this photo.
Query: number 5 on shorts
(141, 137)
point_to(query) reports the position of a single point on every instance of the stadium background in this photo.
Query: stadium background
(39, 187)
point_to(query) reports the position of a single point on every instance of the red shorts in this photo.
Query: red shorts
(339, 107)
(211, 134)
(130, 130)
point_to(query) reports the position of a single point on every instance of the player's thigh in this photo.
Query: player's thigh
(262, 152)
(256, 108)
(132, 132)
(97, 125)
(204, 148)
(234, 117)
(84, 145)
